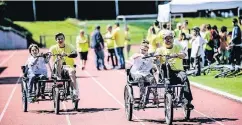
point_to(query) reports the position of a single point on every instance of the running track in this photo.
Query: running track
(101, 101)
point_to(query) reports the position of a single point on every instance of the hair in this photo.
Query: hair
(186, 22)
(164, 26)
(156, 23)
(145, 42)
(183, 34)
(208, 26)
(98, 27)
(223, 29)
(33, 45)
(59, 34)
(117, 24)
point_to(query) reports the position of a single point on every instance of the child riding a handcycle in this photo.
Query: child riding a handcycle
(66, 62)
(141, 72)
(35, 69)
(177, 76)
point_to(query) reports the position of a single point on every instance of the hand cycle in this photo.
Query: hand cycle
(61, 88)
(171, 95)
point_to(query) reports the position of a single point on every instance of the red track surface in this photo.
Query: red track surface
(101, 101)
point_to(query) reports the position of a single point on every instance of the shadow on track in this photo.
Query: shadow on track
(9, 80)
(2, 69)
(193, 121)
(73, 112)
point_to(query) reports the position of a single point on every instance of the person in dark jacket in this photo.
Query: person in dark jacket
(97, 45)
(235, 49)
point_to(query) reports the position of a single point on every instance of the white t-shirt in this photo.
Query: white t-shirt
(38, 67)
(198, 42)
(141, 66)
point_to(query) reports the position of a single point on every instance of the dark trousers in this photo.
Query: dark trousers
(209, 57)
(33, 79)
(186, 65)
(179, 77)
(99, 56)
(235, 55)
(197, 62)
(112, 55)
(120, 54)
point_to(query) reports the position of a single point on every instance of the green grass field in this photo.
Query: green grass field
(229, 85)
(138, 30)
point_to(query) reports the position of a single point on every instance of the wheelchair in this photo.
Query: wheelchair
(169, 96)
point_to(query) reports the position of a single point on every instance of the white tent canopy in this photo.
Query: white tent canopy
(185, 6)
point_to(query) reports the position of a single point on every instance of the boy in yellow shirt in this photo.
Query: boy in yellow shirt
(82, 44)
(110, 45)
(65, 49)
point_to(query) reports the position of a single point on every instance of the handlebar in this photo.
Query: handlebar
(50, 54)
(167, 56)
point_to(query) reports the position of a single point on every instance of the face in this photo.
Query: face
(169, 40)
(82, 33)
(144, 51)
(194, 33)
(110, 29)
(60, 39)
(34, 51)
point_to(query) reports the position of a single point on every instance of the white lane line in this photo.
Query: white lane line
(13, 90)
(109, 93)
(9, 99)
(9, 57)
(208, 117)
(67, 116)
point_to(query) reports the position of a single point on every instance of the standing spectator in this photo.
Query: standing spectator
(197, 44)
(152, 37)
(187, 32)
(184, 43)
(223, 45)
(205, 36)
(98, 46)
(127, 40)
(111, 45)
(82, 45)
(178, 30)
(235, 49)
(209, 46)
(119, 37)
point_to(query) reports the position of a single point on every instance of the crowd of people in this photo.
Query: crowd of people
(115, 40)
(203, 44)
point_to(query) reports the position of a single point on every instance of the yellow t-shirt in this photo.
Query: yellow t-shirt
(153, 41)
(82, 43)
(119, 37)
(207, 37)
(176, 63)
(55, 49)
(110, 42)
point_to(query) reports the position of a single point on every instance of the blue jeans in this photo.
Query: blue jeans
(120, 54)
(99, 56)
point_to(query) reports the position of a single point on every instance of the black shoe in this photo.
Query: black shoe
(98, 68)
(189, 106)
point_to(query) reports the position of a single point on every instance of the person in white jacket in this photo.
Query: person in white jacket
(35, 69)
